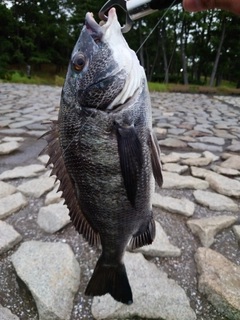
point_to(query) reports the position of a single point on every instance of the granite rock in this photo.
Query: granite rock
(207, 228)
(154, 295)
(52, 274)
(219, 281)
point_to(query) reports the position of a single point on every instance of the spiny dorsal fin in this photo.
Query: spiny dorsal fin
(53, 149)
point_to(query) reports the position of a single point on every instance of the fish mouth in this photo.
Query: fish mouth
(96, 30)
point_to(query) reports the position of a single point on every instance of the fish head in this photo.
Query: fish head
(103, 71)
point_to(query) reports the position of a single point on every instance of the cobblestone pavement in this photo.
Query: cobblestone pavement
(199, 137)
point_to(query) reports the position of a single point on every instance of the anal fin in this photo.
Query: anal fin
(144, 238)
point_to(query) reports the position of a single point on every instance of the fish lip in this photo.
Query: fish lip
(92, 26)
(95, 30)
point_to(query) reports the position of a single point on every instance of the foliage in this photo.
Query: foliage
(182, 48)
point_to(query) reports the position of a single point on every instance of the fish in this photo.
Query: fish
(104, 152)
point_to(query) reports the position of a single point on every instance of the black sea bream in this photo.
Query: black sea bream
(104, 153)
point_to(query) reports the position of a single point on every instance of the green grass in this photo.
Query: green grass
(155, 86)
(48, 76)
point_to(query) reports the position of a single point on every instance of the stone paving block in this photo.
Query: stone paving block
(173, 180)
(9, 237)
(181, 206)
(52, 274)
(173, 167)
(53, 217)
(11, 204)
(37, 187)
(6, 314)
(214, 201)
(155, 296)
(6, 189)
(207, 228)
(224, 185)
(236, 230)
(22, 172)
(9, 147)
(219, 281)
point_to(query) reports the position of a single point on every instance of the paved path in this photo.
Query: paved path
(200, 141)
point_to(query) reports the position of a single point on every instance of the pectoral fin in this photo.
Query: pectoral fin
(156, 163)
(130, 153)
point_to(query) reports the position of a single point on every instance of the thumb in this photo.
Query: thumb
(200, 5)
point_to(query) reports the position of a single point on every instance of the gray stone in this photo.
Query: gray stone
(219, 281)
(9, 139)
(205, 147)
(37, 187)
(52, 274)
(11, 204)
(187, 155)
(8, 147)
(170, 158)
(53, 217)
(173, 180)
(225, 171)
(223, 134)
(13, 132)
(214, 201)
(20, 123)
(34, 133)
(212, 140)
(53, 196)
(232, 162)
(207, 228)
(6, 189)
(160, 131)
(181, 206)
(226, 155)
(6, 314)
(161, 247)
(202, 128)
(208, 154)
(186, 138)
(234, 147)
(200, 162)
(9, 237)
(176, 131)
(44, 158)
(173, 167)
(173, 143)
(224, 185)
(22, 172)
(154, 295)
(236, 230)
(165, 125)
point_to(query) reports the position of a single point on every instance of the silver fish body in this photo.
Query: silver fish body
(104, 152)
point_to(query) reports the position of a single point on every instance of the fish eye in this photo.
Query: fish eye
(79, 62)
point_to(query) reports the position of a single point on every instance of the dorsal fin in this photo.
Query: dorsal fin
(53, 149)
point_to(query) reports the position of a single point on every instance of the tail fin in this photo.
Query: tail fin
(110, 279)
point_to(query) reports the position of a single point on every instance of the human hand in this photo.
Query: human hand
(200, 5)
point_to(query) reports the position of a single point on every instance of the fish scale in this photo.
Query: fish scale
(104, 153)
